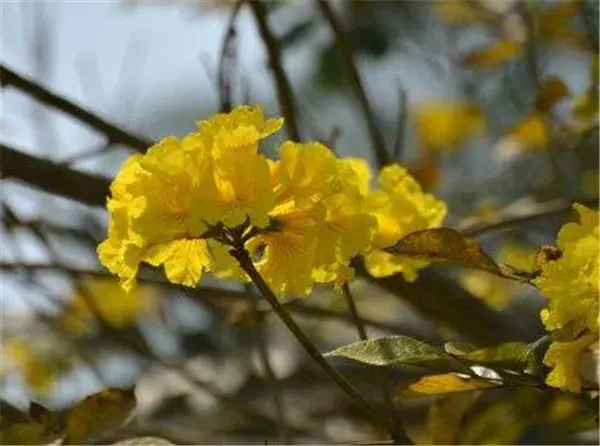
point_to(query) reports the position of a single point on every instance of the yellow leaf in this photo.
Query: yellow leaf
(445, 244)
(55, 421)
(29, 432)
(550, 92)
(494, 54)
(99, 414)
(445, 125)
(431, 385)
(531, 133)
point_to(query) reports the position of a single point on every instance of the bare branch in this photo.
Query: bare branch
(377, 142)
(543, 210)
(53, 178)
(282, 83)
(112, 132)
(227, 59)
(401, 125)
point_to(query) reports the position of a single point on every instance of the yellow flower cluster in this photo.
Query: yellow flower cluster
(570, 283)
(302, 217)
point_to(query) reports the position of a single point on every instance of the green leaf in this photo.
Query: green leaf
(445, 244)
(508, 355)
(397, 351)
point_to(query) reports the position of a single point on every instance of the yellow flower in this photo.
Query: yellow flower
(400, 206)
(105, 298)
(163, 203)
(565, 358)
(318, 223)
(570, 283)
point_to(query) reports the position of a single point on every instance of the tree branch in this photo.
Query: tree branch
(227, 60)
(53, 178)
(113, 133)
(282, 83)
(377, 142)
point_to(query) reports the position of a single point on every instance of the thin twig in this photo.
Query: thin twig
(227, 60)
(399, 434)
(377, 142)
(112, 132)
(398, 147)
(540, 211)
(243, 257)
(282, 83)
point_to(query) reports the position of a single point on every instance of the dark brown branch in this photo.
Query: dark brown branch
(113, 133)
(282, 83)
(53, 178)
(377, 142)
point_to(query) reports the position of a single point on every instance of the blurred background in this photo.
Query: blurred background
(492, 104)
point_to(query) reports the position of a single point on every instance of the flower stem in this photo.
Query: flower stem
(242, 256)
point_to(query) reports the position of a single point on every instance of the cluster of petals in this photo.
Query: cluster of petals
(302, 217)
(571, 285)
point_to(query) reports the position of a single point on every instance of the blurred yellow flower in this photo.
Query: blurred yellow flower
(517, 255)
(106, 299)
(446, 125)
(400, 206)
(40, 366)
(571, 285)
(495, 291)
(496, 53)
(585, 106)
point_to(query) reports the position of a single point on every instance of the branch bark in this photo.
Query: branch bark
(53, 178)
